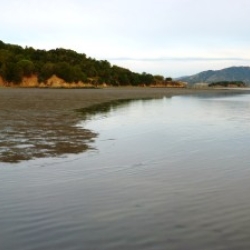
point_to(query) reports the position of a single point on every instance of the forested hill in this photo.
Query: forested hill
(228, 74)
(17, 62)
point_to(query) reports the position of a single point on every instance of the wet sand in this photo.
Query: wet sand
(37, 123)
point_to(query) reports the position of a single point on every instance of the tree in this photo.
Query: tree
(147, 78)
(47, 70)
(168, 79)
(13, 73)
(27, 67)
(159, 78)
(79, 75)
(65, 71)
(2, 45)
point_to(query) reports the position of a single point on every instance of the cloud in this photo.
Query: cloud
(136, 33)
(179, 59)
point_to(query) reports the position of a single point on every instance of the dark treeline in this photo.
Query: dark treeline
(17, 62)
(227, 84)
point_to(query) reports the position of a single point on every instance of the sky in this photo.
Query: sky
(172, 38)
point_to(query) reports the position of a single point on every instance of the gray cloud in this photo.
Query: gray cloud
(180, 59)
(162, 31)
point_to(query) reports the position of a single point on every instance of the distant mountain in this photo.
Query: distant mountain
(228, 74)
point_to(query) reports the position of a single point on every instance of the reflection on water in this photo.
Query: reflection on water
(167, 174)
(104, 108)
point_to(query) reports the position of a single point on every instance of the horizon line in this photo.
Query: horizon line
(179, 59)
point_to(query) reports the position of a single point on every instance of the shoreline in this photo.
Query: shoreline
(38, 123)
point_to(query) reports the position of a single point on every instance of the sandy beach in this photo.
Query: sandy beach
(38, 123)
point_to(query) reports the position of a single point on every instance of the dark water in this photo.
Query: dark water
(167, 174)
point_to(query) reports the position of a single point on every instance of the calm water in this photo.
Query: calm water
(166, 174)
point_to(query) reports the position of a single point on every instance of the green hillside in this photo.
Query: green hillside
(17, 62)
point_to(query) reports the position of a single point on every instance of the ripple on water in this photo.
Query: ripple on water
(175, 181)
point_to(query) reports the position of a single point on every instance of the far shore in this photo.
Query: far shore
(39, 123)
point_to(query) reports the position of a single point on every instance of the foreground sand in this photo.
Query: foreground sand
(41, 122)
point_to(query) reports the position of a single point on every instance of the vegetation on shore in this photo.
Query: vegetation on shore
(17, 63)
(227, 84)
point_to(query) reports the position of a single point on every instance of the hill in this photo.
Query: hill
(19, 66)
(228, 74)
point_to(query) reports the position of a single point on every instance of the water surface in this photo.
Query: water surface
(169, 173)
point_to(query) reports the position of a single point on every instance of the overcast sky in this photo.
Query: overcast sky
(167, 37)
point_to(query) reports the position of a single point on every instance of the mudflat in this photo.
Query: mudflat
(37, 123)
